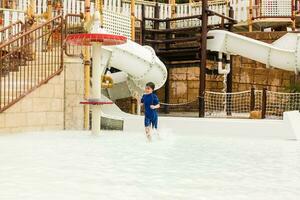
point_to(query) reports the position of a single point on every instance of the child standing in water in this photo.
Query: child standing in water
(151, 103)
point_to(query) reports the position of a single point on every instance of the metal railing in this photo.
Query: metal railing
(11, 31)
(73, 24)
(29, 60)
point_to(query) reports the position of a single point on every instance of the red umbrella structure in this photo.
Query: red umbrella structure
(86, 39)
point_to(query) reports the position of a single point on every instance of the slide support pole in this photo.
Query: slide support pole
(87, 62)
(96, 89)
(202, 76)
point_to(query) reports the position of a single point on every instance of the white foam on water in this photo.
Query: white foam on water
(124, 166)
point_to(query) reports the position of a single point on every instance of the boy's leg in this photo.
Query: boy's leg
(154, 125)
(148, 133)
(148, 128)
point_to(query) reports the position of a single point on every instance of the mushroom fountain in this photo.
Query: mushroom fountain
(96, 38)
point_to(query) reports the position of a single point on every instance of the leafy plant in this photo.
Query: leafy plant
(294, 88)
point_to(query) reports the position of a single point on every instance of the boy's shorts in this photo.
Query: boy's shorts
(151, 122)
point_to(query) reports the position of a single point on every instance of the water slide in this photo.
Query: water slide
(284, 53)
(138, 65)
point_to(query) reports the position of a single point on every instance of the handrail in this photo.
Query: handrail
(11, 25)
(30, 60)
(71, 21)
(152, 3)
(11, 31)
(222, 16)
(12, 10)
(30, 31)
(173, 19)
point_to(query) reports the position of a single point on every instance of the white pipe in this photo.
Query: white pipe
(97, 70)
(222, 70)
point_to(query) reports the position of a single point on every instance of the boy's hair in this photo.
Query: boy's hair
(151, 85)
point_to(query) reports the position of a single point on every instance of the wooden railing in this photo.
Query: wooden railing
(29, 60)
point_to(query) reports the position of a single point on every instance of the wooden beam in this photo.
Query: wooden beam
(202, 77)
(177, 51)
(174, 19)
(175, 40)
(175, 30)
(167, 84)
(143, 26)
(229, 76)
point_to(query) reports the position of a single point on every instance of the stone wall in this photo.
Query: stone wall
(40, 110)
(52, 106)
(74, 93)
(247, 73)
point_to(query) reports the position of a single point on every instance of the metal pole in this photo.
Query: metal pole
(250, 20)
(264, 103)
(202, 77)
(132, 18)
(87, 62)
(252, 99)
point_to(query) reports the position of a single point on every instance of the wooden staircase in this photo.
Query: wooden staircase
(183, 46)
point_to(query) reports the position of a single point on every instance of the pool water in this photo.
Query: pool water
(124, 166)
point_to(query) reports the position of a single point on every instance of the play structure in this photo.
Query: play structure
(97, 39)
(124, 69)
(148, 67)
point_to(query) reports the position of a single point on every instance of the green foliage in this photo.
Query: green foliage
(295, 88)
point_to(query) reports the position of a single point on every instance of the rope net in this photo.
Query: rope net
(240, 104)
(218, 104)
(278, 102)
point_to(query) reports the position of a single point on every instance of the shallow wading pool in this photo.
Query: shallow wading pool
(115, 165)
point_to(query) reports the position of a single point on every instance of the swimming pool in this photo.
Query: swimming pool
(115, 165)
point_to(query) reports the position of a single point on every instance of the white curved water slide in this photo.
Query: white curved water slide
(138, 65)
(284, 53)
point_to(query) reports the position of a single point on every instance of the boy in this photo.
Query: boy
(151, 103)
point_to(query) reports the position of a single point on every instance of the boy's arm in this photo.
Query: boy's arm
(155, 106)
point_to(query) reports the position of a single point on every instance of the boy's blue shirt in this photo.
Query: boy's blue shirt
(148, 100)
